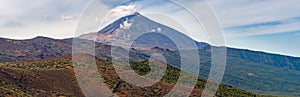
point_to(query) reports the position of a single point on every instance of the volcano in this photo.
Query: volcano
(139, 32)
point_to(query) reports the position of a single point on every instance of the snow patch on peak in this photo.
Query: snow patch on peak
(156, 29)
(126, 24)
(159, 29)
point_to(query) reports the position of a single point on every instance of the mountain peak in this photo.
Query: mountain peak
(116, 25)
(136, 13)
(131, 16)
(39, 37)
(126, 28)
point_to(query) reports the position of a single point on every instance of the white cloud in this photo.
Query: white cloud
(39, 17)
(123, 10)
(64, 18)
(55, 30)
(118, 12)
(283, 28)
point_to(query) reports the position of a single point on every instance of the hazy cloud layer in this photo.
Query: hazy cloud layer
(249, 15)
(29, 18)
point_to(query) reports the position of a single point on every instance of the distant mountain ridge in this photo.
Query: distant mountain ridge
(282, 61)
(43, 47)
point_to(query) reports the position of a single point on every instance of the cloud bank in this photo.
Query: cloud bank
(123, 10)
(23, 19)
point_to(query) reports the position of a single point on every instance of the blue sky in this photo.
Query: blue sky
(262, 25)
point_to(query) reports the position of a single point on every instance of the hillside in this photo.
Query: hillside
(43, 47)
(55, 77)
(245, 69)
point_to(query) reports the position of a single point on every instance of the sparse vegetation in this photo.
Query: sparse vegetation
(55, 77)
